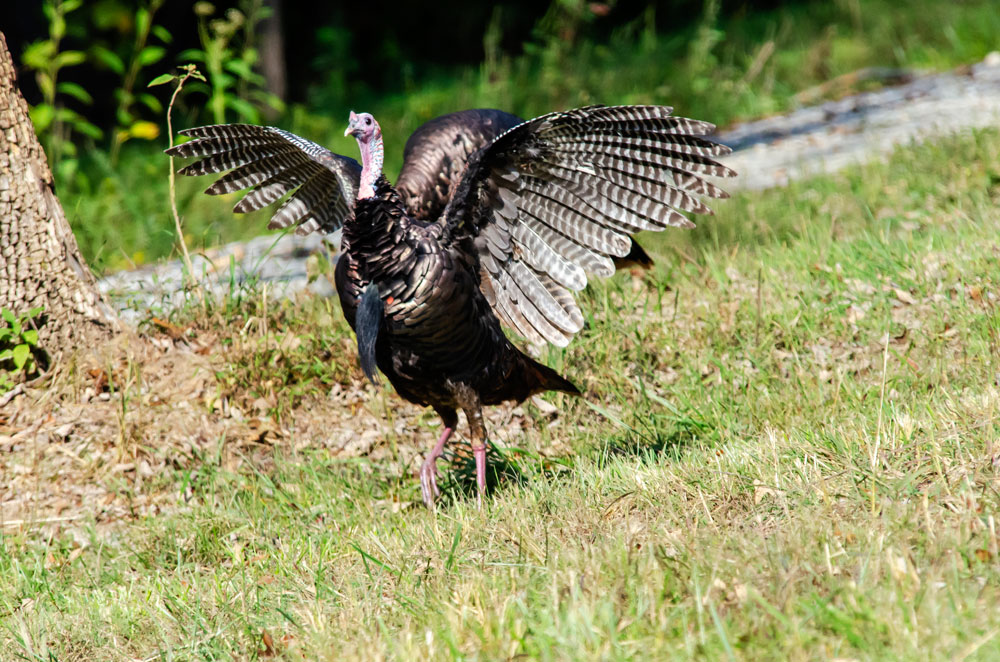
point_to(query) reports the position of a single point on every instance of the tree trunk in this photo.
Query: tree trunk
(272, 55)
(40, 262)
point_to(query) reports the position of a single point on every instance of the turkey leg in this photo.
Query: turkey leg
(428, 470)
(475, 416)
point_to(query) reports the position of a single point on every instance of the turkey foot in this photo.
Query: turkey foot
(428, 470)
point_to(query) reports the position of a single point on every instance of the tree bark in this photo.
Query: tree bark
(40, 262)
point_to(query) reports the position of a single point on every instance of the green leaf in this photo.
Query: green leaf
(142, 19)
(151, 102)
(6, 354)
(68, 59)
(161, 79)
(8, 317)
(21, 354)
(4, 333)
(34, 312)
(31, 337)
(109, 59)
(46, 86)
(200, 88)
(38, 54)
(163, 34)
(151, 55)
(15, 328)
(42, 116)
(124, 117)
(249, 56)
(57, 26)
(79, 123)
(240, 68)
(262, 97)
(191, 55)
(75, 91)
(244, 109)
(89, 130)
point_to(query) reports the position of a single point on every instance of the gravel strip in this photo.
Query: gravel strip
(833, 135)
(767, 153)
(275, 261)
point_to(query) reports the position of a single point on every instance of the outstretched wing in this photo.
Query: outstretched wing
(437, 153)
(556, 198)
(273, 162)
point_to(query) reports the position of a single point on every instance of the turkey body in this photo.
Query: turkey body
(439, 343)
(495, 224)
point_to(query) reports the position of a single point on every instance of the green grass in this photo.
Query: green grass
(723, 68)
(799, 460)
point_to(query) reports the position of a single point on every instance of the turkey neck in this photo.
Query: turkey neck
(377, 229)
(372, 157)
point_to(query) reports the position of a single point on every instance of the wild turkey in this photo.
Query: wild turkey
(493, 220)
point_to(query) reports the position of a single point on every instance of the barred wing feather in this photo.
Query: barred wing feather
(273, 162)
(554, 199)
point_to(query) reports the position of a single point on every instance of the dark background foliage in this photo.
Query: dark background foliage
(360, 48)
(85, 67)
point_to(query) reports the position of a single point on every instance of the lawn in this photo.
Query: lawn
(787, 449)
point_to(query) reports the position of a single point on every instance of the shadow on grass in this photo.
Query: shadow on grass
(505, 467)
(652, 439)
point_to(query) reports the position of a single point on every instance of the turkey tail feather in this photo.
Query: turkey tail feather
(637, 256)
(367, 323)
(547, 379)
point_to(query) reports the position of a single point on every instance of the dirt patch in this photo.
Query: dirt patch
(111, 434)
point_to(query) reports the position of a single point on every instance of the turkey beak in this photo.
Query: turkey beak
(352, 126)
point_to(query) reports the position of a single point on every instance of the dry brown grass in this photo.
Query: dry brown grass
(93, 441)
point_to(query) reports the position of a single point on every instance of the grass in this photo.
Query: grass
(796, 458)
(720, 68)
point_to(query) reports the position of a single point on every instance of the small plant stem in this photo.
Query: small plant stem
(760, 282)
(173, 189)
(881, 406)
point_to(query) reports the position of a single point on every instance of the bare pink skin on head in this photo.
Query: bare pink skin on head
(368, 133)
